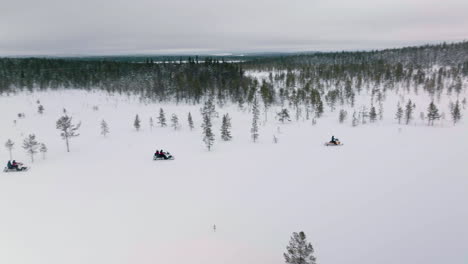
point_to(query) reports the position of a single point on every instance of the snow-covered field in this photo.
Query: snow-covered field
(391, 194)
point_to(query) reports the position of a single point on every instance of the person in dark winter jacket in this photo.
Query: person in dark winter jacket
(162, 154)
(15, 165)
(333, 140)
(9, 166)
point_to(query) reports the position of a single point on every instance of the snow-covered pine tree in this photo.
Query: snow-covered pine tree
(209, 108)
(432, 114)
(226, 128)
(43, 150)
(255, 116)
(381, 110)
(319, 108)
(399, 113)
(208, 136)
(456, 112)
(10, 146)
(30, 145)
(409, 109)
(363, 114)
(151, 123)
(137, 123)
(283, 115)
(355, 121)
(267, 94)
(40, 109)
(342, 116)
(69, 130)
(104, 128)
(299, 251)
(174, 122)
(190, 121)
(372, 114)
(162, 118)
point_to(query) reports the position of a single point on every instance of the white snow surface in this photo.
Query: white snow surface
(392, 194)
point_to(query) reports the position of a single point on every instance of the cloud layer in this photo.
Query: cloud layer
(57, 27)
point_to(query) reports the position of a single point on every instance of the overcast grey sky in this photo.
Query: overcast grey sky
(61, 27)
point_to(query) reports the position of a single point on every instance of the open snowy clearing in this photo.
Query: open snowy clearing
(391, 194)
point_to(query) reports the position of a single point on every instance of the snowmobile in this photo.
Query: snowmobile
(168, 155)
(334, 144)
(21, 167)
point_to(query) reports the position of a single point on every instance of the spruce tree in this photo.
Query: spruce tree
(299, 251)
(255, 116)
(267, 95)
(174, 122)
(208, 136)
(283, 115)
(137, 123)
(30, 145)
(190, 121)
(43, 150)
(399, 113)
(40, 109)
(10, 146)
(226, 128)
(162, 118)
(409, 109)
(209, 108)
(381, 110)
(372, 114)
(432, 114)
(151, 123)
(363, 114)
(68, 129)
(456, 112)
(104, 128)
(355, 121)
(319, 109)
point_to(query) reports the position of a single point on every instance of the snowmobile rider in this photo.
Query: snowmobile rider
(333, 140)
(15, 165)
(162, 154)
(9, 166)
(157, 153)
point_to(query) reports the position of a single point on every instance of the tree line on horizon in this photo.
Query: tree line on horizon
(305, 84)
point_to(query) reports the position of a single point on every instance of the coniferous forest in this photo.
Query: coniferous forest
(300, 79)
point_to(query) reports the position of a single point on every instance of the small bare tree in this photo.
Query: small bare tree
(43, 150)
(175, 122)
(10, 146)
(30, 145)
(68, 129)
